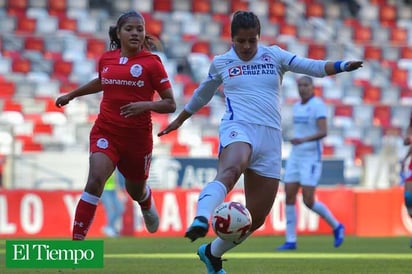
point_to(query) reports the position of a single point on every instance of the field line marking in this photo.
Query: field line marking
(267, 255)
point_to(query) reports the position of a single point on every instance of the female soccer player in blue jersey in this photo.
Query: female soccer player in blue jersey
(121, 137)
(250, 131)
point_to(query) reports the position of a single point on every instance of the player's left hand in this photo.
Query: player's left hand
(353, 65)
(133, 108)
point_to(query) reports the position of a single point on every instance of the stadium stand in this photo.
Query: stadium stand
(50, 47)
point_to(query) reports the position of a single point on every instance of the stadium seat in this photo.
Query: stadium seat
(236, 5)
(154, 27)
(12, 105)
(382, 115)
(406, 52)
(201, 47)
(34, 43)
(26, 25)
(387, 15)
(62, 70)
(7, 89)
(398, 36)
(201, 6)
(17, 7)
(288, 29)
(277, 11)
(57, 8)
(315, 9)
(317, 51)
(361, 150)
(362, 34)
(66, 23)
(371, 94)
(163, 6)
(42, 128)
(21, 65)
(399, 77)
(371, 52)
(95, 48)
(343, 116)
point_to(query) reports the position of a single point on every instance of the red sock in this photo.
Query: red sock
(146, 204)
(83, 219)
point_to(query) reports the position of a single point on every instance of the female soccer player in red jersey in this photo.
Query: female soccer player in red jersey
(121, 137)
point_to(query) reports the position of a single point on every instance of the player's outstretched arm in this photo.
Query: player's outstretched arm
(176, 123)
(332, 68)
(91, 87)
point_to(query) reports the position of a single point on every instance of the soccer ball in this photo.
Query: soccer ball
(231, 221)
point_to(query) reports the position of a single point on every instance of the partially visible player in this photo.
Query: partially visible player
(408, 180)
(304, 165)
(122, 137)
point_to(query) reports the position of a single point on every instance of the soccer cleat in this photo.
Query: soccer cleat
(198, 228)
(339, 234)
(287, 246)
(151, 218)
(213, 264)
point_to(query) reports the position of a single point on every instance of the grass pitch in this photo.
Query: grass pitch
(315, 254)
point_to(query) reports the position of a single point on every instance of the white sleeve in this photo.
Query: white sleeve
(204, 92)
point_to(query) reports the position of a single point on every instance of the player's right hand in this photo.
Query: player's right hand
(62, 100)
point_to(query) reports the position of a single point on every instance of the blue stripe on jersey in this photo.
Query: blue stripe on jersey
(291, 60)
(319, 149)
(229, 106)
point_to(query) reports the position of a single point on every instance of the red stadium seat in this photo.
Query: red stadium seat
(362, 34)
(315, 9)
(62, 70)
(277, 11)
(398, 36)
(344, 110)
(162, 6)
(34, 43)
(400, 77)
(201, 47)
(371, 94)
(372, 53)
(21, 65)
(95, 48)
(26, 25)
(17, 8)
(201, 6)
(7, 89)
(236, 5)
(57, 8)
(406, 52)
(42, 128)
(288, 29)
(317, 51)
(12, 105)
(154, 27)
(387, 15)
(382, 115)
(189, 88)
(328, 150)
(66, 23)
(361, 150)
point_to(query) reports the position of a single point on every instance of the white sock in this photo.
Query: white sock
(325, 213)
(290, 223)
(218, 247)
(212, 195)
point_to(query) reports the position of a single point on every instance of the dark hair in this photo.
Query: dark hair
(244, 20)
(151, 43)
(306, 78)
